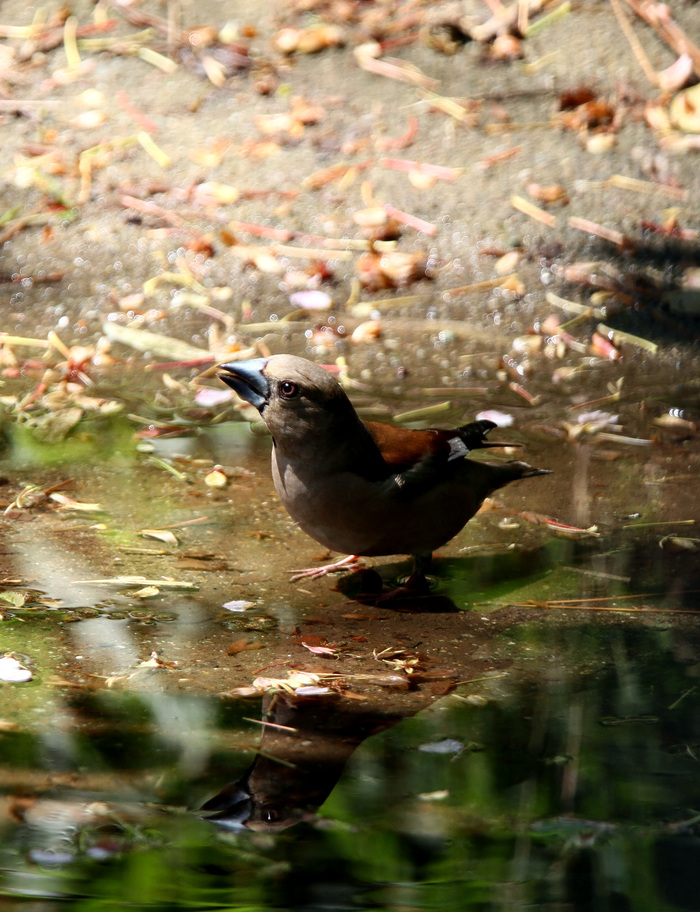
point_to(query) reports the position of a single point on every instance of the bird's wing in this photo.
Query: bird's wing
(417, 460)
(429, 471)
(403, 448)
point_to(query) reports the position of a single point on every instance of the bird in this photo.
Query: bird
(366, 488)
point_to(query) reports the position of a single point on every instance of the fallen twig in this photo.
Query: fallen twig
(393, 68)
(534, 212)
(401, 142)
(606, 234)
(477, 287)
(411, 221)
(658, 17)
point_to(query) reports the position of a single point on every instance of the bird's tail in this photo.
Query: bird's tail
(474, 435)
(523, 470)
(487, 477)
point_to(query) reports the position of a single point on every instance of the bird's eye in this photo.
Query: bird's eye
(288, 390)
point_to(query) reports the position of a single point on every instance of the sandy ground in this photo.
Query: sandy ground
(105, 250)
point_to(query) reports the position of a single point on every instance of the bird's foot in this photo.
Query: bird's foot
(416, 597)
(351, 562)
(416, 586)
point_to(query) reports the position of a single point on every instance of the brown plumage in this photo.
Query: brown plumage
(365, 488)
(402, 447)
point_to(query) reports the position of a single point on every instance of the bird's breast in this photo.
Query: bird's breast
(348, 513)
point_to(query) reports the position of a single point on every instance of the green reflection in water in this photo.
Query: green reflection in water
(569, 791)
(565, 790)
(95, 438)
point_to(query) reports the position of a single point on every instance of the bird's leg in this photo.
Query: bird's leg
(417, 581)
(351, 562)
(415, 587)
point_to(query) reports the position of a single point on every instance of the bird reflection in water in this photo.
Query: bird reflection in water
(306, 742)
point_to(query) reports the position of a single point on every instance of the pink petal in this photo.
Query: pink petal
(209, 397)
(311, 300)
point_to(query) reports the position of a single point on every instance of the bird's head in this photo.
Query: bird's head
(295, 397)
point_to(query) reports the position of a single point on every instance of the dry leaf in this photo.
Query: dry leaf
(67, 503)
(243, 645)
(146, 592)
(161, 535)
(685, 110)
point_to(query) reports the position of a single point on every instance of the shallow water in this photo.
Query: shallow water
(485, 746)
(525, 737)
(562, 788)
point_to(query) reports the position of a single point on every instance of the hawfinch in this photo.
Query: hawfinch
(362, 487)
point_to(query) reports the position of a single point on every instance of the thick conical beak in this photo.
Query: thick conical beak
(247, 379)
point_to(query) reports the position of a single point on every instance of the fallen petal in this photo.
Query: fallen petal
(210, 397)
(501, 419)
(446, 746)
(238, 605)
(13, 672)
(311, 300)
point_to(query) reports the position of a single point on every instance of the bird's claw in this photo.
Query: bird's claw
(351, 562)
(416, 586)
